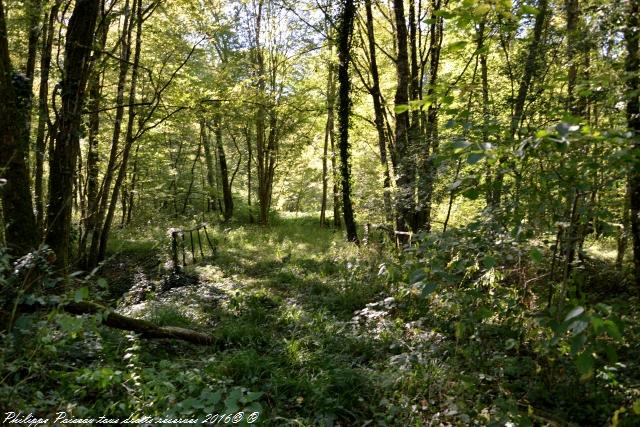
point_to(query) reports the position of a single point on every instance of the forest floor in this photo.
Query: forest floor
(309, 331)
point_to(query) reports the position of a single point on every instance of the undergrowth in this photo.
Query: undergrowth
(310, 330)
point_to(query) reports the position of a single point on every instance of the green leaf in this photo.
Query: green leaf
(481, 9)
(636, 407)
(471, 193)
(578, 326)
(535, 255)
(528, 10)
(455, 185)
(475, 158)
(401, 108)
(253, 395)
(584, 364)
(461, 144)
(577, 311)
(457, 46)
(81, 294)
(612, 329)
(428, 289)
(489, 262)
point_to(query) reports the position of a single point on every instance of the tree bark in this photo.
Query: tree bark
(95, 92)
(19, 221)
(378, 110)
(428, 169)
(208, 157)
(80, 34)
(103, 197)
(328, 136)
(405, 203)
(227, 196)
(143, 327)
(632, 67)
(344, 57)
(43, 113)
(129, 136)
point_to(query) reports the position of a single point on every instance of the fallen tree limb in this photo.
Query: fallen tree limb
(143, 327)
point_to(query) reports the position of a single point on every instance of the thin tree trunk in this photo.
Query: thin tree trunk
(531, 68)
(428, 172)
(133, 190)
(20, 225)
(129, 138)
(344, 57)
(249, 160)
(208, 157)
(337, 222)
(125, 55)
(193, 176)
(379, 114)
(34, 12)
(227, 197)
(328, 137)
(80, 35)
(93, 157)
(43, 113)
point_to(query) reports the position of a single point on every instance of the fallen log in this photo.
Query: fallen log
(143, 327)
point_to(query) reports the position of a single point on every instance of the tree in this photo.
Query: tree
(405, 173)
(20, 224)
(632, 68)
(344, 57)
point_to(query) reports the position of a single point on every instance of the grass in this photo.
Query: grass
(307, 334)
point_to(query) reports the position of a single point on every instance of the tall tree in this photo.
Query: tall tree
(632, 68)
(378, 111)
(344, 57)
(43, 112)
(532, 67)
(20, 224)
(227, 197)
(62, 166)
(405, 172)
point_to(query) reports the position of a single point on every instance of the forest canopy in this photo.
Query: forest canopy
(429, 210)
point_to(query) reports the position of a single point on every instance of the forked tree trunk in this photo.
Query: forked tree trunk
(43, 113)
(80, 35)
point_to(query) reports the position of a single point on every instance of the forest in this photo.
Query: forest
(320, 212)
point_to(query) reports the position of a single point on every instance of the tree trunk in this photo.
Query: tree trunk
(208, 157)
(379, 114)
(34, 12)
(129, 138)
(193, 177)
(19, 221)
(405, 204)
(95, 92)
(143, 327)
(43, 113)
(80, 35)
(428, 170)
(227, 197)
(344, 57)
(531, 68)
(328, 136)
(103, 197)
(632, 67)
